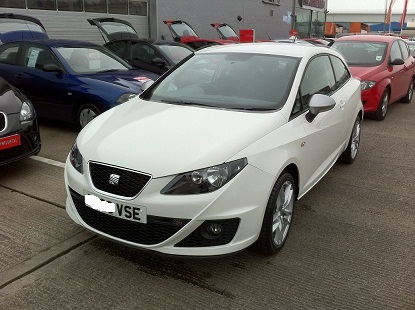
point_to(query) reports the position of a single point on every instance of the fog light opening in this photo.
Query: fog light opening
(212, 230)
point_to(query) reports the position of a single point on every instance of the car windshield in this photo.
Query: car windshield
(114, 27)
(92, 60)
(227, 31)
(229, 81)
(183, 30)
(175, 52)
(361, 54)
(9, 25)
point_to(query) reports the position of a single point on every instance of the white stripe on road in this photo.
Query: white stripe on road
(48, 161)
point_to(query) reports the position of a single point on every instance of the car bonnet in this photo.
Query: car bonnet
(132, 79)
(165, 139)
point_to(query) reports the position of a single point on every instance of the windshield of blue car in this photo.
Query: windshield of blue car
(361, 54)
(92, 60)
(229, 81)
(175, 52)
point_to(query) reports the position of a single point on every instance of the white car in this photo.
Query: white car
(210, 158)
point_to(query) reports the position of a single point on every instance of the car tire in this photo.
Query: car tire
(85, 114)
(350, 153)
(380, 113)
(278, 216)
(409, 94)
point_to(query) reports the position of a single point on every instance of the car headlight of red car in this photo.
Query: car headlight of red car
(367, 84)
(204, 180)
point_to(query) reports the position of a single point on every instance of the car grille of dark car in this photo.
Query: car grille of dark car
(198, 238)
(2, 121)
(157, 229)
(16, 152)
(129, 185)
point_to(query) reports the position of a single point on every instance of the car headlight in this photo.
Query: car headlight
(76, 158)
(27, 112)
(125, 97)
(204, 180)
(367, 84)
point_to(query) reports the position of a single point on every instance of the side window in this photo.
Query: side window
(395, 51)
(38, 56)
(341, 72)
(144, 52)
(8, 53)
(318, 79)
(117, 48)
(404, 49)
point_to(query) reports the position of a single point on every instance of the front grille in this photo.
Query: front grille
(129, 185)
(2, 121)
(157, 229)
(196, 238)
(16, 152)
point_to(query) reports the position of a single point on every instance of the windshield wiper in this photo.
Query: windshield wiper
(183, 102)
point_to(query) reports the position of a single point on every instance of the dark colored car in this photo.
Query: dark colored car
(155, 56)
(70, 80)
(385, 67)
(19, 129)
(184, 33)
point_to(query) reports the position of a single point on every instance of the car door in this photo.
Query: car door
(409, 65)
(399, 85)
(46, 90)
(325, 134)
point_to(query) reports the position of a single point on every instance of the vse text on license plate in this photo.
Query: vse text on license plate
(118, 209)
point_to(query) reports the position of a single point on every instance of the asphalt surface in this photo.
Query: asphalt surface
(352, 244)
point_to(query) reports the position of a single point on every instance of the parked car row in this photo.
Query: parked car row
(216, 151)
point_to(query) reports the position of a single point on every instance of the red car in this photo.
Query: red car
(385, 67)
(184, 33)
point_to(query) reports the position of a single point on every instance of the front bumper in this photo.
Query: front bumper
(30, 142)
(176, 223)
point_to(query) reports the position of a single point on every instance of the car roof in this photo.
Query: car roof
(368, 37)
(272, 48)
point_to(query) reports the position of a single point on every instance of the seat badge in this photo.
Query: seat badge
(114, 179)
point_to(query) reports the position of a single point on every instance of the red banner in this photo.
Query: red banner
(404, 13)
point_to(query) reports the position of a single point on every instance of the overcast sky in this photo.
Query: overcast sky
(369, 6)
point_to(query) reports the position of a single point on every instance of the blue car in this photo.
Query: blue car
(69, 80)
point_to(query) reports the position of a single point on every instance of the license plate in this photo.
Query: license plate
(118, 209)
(10, 141)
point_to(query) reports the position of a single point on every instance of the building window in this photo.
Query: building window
(96, 6)
(15, 4)
(70, 5)
(41, 4)
(137, 7)
(118, 7)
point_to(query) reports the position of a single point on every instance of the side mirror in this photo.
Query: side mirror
(397, 62)
(319, 103)
(159, 62)
(52, 68)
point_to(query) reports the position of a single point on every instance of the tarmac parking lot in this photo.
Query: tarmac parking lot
(352, 244)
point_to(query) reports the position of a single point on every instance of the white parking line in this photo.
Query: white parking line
(48, 161)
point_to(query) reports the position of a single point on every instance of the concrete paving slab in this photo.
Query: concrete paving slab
(29, 227)
(39, 180)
